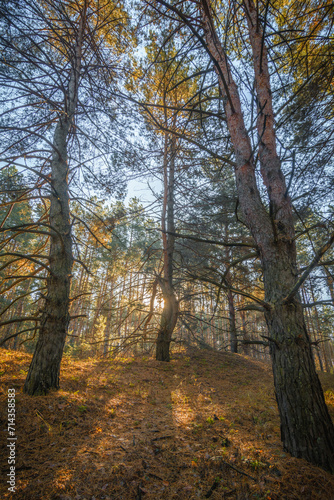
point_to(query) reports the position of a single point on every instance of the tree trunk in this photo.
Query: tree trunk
(310, 328)
(45, 366)
(330, 282)
(318, 327)
(306, 427)
(109, 313)
(170, 311)
(168, 322)
(230, 298)
(233, 328)
(245, 335)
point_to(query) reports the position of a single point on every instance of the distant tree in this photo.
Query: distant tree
(19, 257)
(166, 97)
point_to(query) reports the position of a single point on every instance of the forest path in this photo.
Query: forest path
(204, 425)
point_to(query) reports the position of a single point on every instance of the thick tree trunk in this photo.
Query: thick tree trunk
(306, 427)
(45, 366)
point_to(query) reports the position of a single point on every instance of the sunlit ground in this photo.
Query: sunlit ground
(203, 426)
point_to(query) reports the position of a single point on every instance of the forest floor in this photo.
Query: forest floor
(203, 426)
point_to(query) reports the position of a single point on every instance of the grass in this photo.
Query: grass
(158, 431)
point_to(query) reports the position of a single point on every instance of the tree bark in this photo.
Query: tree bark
(306, 427)
(168, 322)
(45, 366)
(171, 308)
(44, 369)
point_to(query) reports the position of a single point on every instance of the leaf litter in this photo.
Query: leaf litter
(204, 425)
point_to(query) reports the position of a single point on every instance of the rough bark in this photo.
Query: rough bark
(306, 427)
(45, 366)
(44, 370)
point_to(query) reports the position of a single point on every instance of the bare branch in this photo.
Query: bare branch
(309, 269)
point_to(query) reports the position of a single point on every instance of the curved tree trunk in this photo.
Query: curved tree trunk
(306, 428)
(168, 322)
(171, 308)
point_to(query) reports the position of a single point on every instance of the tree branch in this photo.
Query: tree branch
(19, 320)
(251, 307)
(309, 269)
(319, 302)
(213, 242)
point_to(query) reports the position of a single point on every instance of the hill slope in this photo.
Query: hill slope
(203, 426)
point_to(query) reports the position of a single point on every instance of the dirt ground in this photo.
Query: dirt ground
(203, 426)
